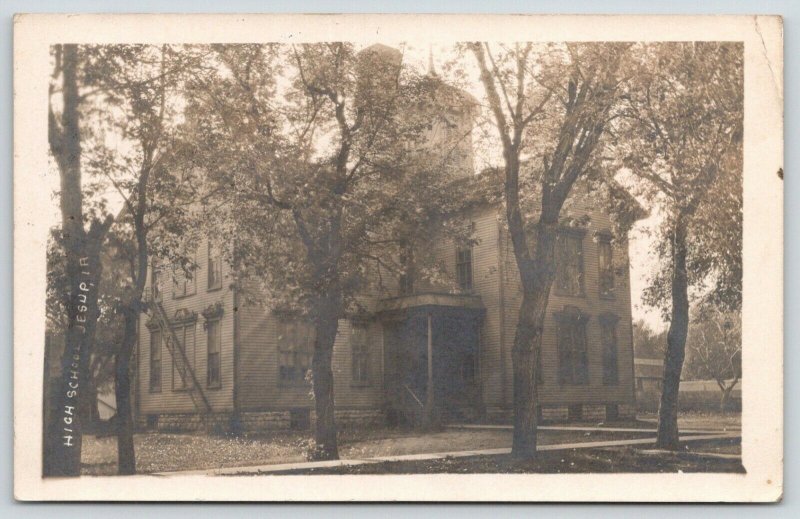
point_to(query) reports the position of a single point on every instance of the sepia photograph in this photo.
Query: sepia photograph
(355, 254)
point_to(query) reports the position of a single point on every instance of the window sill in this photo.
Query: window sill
(184, 296)
(608, 297)
(214, 289)
(360, 384)
(214, 387)
(155, 391)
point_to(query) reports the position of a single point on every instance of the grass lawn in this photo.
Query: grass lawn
(610, 460)
(163, 452)
(157, 452)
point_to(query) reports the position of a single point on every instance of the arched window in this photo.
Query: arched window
(569, 263)
(608, 339)
(573, 362)
(295, 348)
(605, 266)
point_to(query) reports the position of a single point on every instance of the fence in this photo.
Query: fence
(695, 396)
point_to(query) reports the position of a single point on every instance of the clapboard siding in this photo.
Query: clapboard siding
(172, 401)
(495, 279)
(550, 391)
(485, 283)
(260, 388)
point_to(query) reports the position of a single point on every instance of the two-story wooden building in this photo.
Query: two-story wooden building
(440, 351)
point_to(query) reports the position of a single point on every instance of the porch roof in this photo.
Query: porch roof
(464, 304)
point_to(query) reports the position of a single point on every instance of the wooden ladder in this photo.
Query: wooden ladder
(178, 353)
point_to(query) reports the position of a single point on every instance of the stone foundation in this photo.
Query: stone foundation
(303, 418)
(265, 421)
(594, 413)
(560, 413)
(498, 415)
(627, 411)
(555, 413)
(184, 422)
(256, 421)
(359, 417)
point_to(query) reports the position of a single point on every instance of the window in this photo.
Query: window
(360, 351)
(406, 283)
(185, 283)
(608, 339)
(569, 263)
(605, 267)
(185, 335)
(573, 366)
(464, 268)
(214, 331)
(214, 267)
(155, 284)
(155, 361)
(295, 347)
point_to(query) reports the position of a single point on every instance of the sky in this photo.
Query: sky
(422, 56)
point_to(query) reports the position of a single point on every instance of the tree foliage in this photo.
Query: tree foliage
(714, 348)
(648, 343)
(551, 106)
(313, 153)
(682, 137)
(683, 140)
(128, 109)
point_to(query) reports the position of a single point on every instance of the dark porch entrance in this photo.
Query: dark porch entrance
(432, 341)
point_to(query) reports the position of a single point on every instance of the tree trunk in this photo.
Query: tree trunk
(537, 279)
(89, 414)
(62, 454)
(63, 443)
(726, 396)
(126, 461)
(326, 326)
(525, 391)
(667, 436)
(65, 431)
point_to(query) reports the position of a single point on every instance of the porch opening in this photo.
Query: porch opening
(432, 352)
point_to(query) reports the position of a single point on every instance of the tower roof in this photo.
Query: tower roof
(384, 51)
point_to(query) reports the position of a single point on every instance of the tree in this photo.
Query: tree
(138, 92)
(108, 331)
(646, 342)
(83, 229)
(683, 142)
(714, 350)
(307, 147)
(553, 102)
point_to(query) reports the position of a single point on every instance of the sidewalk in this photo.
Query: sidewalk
(288, 467)
(587, 428)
